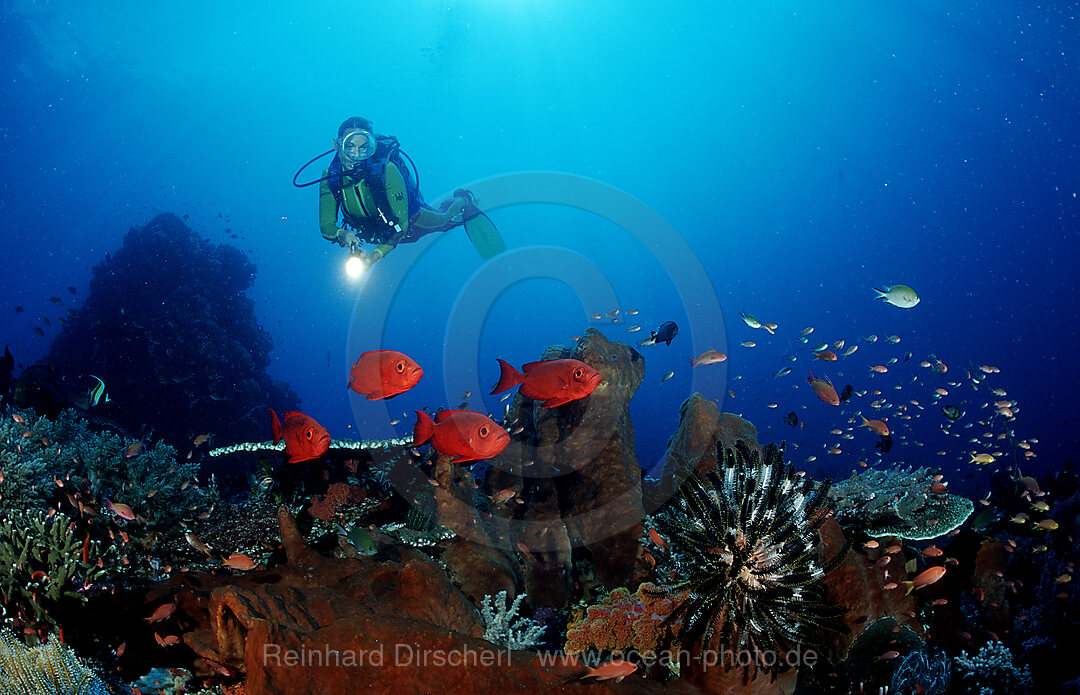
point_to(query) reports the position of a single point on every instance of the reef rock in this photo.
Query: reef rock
(324, 626)
(989, 578)
(859, 587)
(479, 556)
(575, 471)
(693, 446)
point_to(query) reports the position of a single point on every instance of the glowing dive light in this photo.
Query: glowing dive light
(355, 267)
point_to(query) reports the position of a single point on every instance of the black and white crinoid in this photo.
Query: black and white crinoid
(744, 547)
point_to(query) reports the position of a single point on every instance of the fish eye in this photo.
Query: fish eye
(309, 433)
(577, 373)
(400, 366)
(484, 431)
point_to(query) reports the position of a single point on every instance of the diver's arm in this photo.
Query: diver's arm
(328, 213)
(379, 252)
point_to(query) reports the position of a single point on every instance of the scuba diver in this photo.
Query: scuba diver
(379, 201)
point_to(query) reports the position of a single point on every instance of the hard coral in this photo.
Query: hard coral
(898, 502)
(43, 563)
(503, 625)
(44, 461)
(167, 325)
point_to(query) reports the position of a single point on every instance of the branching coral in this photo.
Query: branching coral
(43, 460)
(46, 669)
(744, 544)
(898, 502)
(43, 562)
(504, 625)
(623, 622)
(992, 672)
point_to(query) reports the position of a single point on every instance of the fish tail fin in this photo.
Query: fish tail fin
(423, 429)
(275, 425)
(508, 378)
(882, 294)
(910, 587)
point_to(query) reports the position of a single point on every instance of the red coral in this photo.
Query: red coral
(623, 621)
(337, 494)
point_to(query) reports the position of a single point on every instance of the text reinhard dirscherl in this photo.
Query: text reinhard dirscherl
(412, 655)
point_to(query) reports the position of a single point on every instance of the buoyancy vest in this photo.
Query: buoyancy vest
(375, 197)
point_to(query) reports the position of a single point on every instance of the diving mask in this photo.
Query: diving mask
(357, 146)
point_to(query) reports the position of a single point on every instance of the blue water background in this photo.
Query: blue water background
(806, 152)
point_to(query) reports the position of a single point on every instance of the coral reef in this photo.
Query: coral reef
(625, 621)
(47, 669)
(992, 672)
(503, 625)
(899, 502)
(743, 542)
(45, 461)
(168, 326)
(42, 563)
(321, 626)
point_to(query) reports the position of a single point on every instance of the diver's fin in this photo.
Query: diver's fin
(484, 236)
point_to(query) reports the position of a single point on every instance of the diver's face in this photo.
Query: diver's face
(351, 146)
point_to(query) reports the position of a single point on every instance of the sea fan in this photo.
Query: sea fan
(744, 544)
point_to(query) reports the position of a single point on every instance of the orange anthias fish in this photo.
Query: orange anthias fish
(162, 613)
(463, 434)
(826, 356)
(616, 668)
(708, 357)
(240, 562)
(878, 426)
(824, 389)
(552, 381)
(304, 438)
(383, 374)
(926, 578)
(121, 510)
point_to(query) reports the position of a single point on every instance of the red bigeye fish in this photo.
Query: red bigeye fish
(552, 381)
(463, 434)
(304, 438)
(824, 389)
(383, 374)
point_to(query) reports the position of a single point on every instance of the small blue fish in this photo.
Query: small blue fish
(96, 393)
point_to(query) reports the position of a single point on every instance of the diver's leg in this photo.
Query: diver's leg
(428, 220)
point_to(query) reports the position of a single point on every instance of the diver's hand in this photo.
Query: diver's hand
(348, 240)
